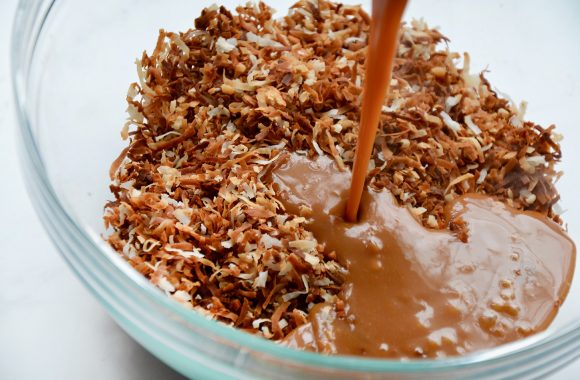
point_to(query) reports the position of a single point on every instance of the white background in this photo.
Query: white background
(50, 326)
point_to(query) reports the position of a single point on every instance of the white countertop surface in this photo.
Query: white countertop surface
(50, 326)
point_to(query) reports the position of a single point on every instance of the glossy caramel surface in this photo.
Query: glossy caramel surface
(413, 292)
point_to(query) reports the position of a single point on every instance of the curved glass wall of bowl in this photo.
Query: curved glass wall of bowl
(73, 65)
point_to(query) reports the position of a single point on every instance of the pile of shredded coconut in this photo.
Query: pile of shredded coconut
(215, 106)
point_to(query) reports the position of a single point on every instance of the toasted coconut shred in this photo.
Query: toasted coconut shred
(215, 106)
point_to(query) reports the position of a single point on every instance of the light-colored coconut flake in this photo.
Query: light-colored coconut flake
(536, 160)
(183, 216)
(452, 101)
(471, 125)
(449, 122)
(268, 241)
(193, 253)
(303, 245)
(164, 284)
(225, 46)
(432, 221)
(262, 41)
(311, 259)
(182, 296)
(482, 176)
(257, 322)
(458, 180)
(261, 280)
(227, 244)
(418, 211)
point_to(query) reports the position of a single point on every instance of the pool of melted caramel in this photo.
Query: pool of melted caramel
(413, 292)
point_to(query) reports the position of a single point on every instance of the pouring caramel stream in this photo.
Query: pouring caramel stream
(383, 39)
(412, 292)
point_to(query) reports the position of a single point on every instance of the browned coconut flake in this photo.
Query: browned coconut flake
(215, 106)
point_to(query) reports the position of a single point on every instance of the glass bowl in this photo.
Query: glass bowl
(72, 63)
